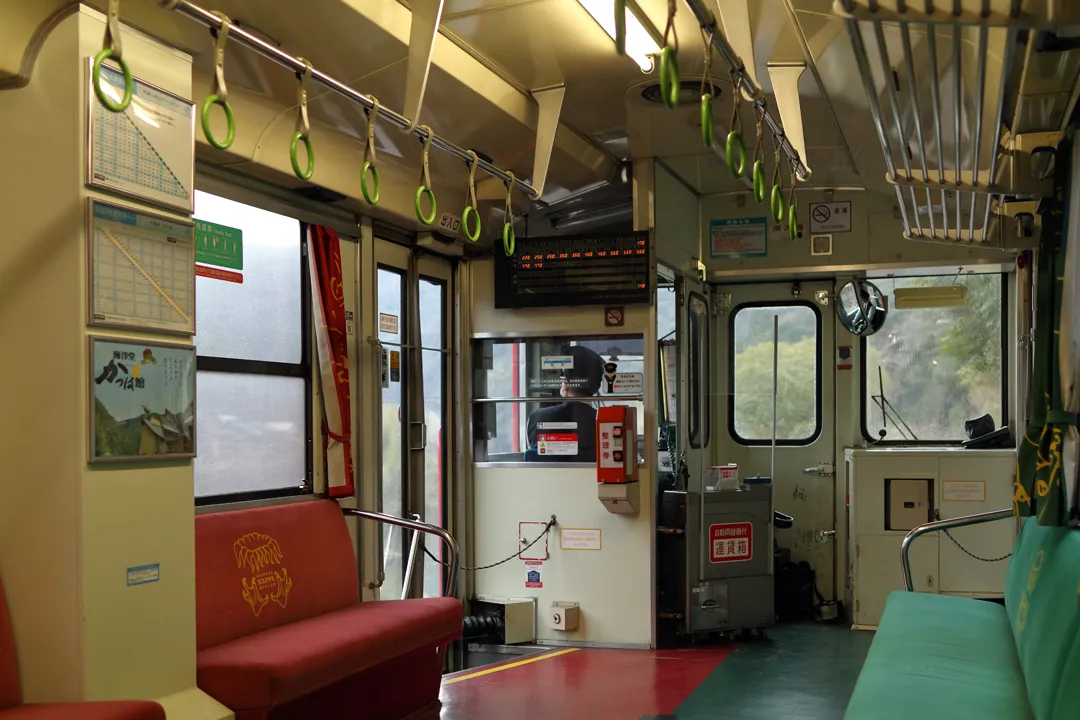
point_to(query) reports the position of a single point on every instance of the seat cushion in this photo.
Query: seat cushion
(1043, 597)
(86, 711)
(261, 568)
(940, 657)
(274, 666)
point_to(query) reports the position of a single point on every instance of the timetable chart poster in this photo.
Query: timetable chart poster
(142, 270)
(148, 150)
(142, 400)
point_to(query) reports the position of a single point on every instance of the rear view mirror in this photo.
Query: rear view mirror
(861, 307)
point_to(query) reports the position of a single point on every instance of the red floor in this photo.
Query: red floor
(588, 684)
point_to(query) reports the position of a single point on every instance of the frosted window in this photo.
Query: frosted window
(250, 433)
(258, 319)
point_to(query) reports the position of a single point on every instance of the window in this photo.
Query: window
(564, 382)
(253, 406)
(937, 366)
(798, 390)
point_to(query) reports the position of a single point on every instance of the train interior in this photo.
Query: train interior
(497, 359)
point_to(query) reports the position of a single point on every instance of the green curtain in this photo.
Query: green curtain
(1040, 489)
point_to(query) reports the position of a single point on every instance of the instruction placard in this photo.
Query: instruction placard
(219, 245)
(395, 366)
(625, 384)
(738, 238)
(580, 539)
(388, 324)
(534, 577)
(557, 444)
(963, 491)
(557, 362)
(830, 217)
(731, 542)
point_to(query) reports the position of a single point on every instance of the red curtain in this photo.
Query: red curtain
(328, 299)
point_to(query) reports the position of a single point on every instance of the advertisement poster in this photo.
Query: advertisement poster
(142, 400)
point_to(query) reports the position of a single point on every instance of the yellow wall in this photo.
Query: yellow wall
(68, 533)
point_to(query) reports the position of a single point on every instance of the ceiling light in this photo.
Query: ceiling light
(640, 45)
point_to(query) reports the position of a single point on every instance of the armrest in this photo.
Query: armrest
(937, 525)
(447, 538)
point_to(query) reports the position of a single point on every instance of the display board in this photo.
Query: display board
(572, 270)
(148, 150)
(141, 270)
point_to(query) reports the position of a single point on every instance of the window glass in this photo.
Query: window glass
(697, 375)
(938, 366)
(391, 289)
(258, 319)
(432, 318)
(797, 403)
(251, 433)
(565, 380)
(254, 395)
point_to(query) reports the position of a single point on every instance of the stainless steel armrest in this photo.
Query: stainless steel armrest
(447, 538)
(944, 525)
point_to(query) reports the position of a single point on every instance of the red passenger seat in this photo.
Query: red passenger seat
(11, 707)
(281, 629)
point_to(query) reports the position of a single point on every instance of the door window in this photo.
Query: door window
(391, 306)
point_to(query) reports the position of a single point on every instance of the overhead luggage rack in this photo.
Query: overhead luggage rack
(945, 91)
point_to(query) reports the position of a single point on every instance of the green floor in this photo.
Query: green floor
(801, 672)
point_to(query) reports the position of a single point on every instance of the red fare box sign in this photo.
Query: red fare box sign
(731, 542)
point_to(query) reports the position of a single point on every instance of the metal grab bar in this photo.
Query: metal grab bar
(407, 580)
(447, 538)
(296, 65)
(930, 527)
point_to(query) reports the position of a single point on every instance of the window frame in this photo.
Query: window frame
(817, 382)
(302, 370)
(864, 377)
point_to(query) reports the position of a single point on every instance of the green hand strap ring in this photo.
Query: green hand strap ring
(420, 192)
(230, 133)
(620, 27)
(129, 83)
(708, 131)
(669, 76)
(509, 241)
(470, 200)
(759, 181)
(425, 179)
(736, 146)
(297, 138)
(793, 222)
(303, 127)
(776, 203)
(220, 95)
(371, 196)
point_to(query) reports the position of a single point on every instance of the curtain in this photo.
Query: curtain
(1069, 337)
(1043, 489)
(328, 304)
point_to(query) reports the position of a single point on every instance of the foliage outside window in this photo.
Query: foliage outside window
(798, 406)
(528, 368)
(938, 366)
(253, 369)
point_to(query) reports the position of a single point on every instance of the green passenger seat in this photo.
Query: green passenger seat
(943, 657)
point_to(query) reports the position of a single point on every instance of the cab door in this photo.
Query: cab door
(695, 380)
(804, 482)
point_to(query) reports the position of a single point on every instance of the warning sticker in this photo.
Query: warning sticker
(533, 574)
(388, 323)
(551, 425)
(830, 217)
(731, 542)
(557, 444)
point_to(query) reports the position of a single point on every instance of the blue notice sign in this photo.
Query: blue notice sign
(738, 238)
(143, 574)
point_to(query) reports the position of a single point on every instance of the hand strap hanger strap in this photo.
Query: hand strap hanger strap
(471, 206)
(112, 47)
(371, 195)
(425, 179)
(303, 126)
(509, 239)
(220, 95)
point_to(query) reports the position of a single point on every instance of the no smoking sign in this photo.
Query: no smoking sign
(613, 317)
(830, 217)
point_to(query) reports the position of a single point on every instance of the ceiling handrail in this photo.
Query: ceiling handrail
(296, 65)
(738, 72)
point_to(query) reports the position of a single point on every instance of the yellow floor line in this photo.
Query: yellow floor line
(519, 663)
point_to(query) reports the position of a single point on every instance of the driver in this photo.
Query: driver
(579, 381)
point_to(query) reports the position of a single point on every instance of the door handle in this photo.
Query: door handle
(423, 435)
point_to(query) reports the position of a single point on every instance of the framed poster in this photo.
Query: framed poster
(142, 400)
(148, 150)
(141, 270)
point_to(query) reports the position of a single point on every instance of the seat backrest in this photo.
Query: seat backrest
(10, 695)
(258, 569)
(1042, 595)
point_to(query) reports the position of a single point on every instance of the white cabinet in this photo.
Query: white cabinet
(892, 490)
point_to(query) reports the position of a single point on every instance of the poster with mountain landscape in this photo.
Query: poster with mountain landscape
(142, 398)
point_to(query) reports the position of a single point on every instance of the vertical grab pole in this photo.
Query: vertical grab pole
(412, 559)
(775, 377)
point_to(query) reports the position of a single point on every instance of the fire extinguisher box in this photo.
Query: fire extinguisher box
(616, 452)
